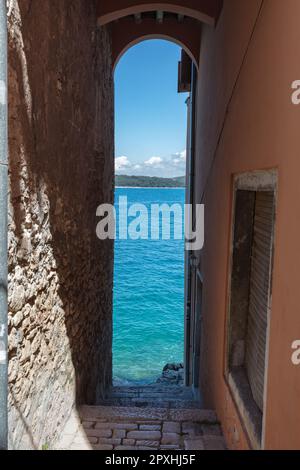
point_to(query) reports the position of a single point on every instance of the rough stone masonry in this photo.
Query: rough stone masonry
(61, 169)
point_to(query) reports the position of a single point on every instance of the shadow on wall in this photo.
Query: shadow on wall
(61, 169)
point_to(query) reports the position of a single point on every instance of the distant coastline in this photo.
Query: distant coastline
(149, 187)
(125, 181)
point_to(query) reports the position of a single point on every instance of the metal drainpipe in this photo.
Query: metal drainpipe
(3, 226)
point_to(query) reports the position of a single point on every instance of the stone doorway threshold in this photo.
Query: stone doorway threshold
(144, 418)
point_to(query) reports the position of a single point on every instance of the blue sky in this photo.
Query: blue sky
(151, 117)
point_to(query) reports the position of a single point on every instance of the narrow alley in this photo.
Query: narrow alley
(239, 66)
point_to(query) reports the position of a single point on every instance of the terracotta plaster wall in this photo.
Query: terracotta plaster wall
(246, 121)
(61, 169)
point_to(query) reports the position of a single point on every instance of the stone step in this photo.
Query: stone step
(155, 396)
(147, 395)
(202, 416)
(152, 392)
(151, 402)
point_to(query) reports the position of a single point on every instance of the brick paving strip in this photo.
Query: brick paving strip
(132, 428)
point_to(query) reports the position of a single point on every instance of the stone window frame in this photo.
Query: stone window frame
(252, 420)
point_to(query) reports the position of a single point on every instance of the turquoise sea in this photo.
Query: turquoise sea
(148, 297)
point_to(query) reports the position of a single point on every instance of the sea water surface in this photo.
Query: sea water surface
(148, 297)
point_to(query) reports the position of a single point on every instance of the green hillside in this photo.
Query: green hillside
(149, 182)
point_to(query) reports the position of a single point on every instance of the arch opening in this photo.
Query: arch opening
(149, 310)
(150, 37)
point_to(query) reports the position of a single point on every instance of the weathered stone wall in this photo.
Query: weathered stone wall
(61, 169)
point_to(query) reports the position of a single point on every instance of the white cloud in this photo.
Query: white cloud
(121, 163)
(154, 162)
(170, 167)
(179, 158)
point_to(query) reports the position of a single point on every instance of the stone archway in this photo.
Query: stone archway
(132, 21)
(127, 33)
(206, 11)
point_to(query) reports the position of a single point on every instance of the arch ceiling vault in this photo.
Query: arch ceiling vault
(179, 21)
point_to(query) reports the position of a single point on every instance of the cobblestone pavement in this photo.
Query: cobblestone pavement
(172, 427)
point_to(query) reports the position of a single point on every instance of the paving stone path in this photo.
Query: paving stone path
(143, 427)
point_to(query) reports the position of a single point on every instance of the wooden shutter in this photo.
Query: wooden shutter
(259, 300)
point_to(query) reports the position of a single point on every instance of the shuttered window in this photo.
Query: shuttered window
(250, 295)
(259, 293)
